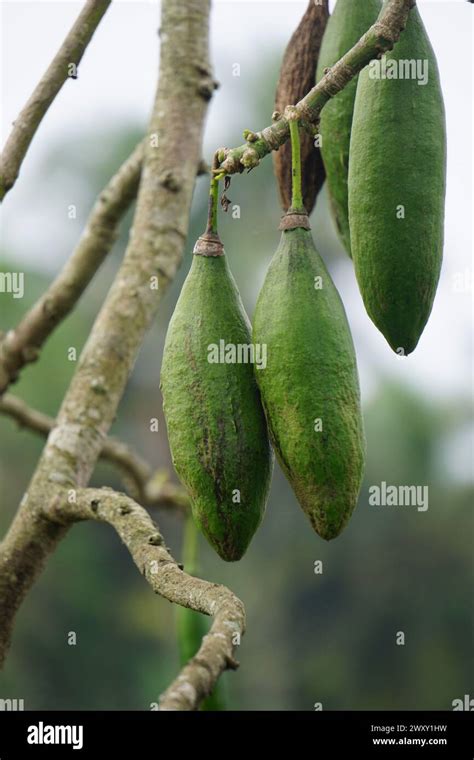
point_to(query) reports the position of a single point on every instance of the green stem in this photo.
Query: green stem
(212, 208)
(296, 195)
(190, 546)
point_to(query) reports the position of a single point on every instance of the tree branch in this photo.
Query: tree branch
(21, 345)
(29, 119)
(171, 161)
(152, 488)
(380, 38)
(146, 545)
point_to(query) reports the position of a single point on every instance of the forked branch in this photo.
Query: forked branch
(149, 487)
(380, 38)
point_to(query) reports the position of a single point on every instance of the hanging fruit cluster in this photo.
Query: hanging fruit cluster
(384, 154)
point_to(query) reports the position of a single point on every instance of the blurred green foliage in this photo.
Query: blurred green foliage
(329, 637)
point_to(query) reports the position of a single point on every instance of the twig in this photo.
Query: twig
(152, 488)
(21, 345)
(63, 66)
(146, 545)
(381, 37)
(26, 416)
(154, 252)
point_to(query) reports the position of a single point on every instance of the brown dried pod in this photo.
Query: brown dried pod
(297, 78)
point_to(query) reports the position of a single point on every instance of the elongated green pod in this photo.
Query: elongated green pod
(397, 178)
(349, 21)
(310, 387)
(216, 425)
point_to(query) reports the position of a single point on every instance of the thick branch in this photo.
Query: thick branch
(142, 538)
(171, 161)
(60, 69)
(152, 488)
(380, 38)
(21, 345)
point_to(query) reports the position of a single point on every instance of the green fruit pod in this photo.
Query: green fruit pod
(348, 23)
(310, 387)
(397, 178)
(216, 425)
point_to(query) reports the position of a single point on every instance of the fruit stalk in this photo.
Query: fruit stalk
(211, 228)
(296, 195)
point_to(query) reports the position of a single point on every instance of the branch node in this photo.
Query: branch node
(291, 113)
(155, 539)
(206, 89)
(169, 180)
(250, 158)
(250, 136)
(307, 112)
(99, 387)
(269, 136)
